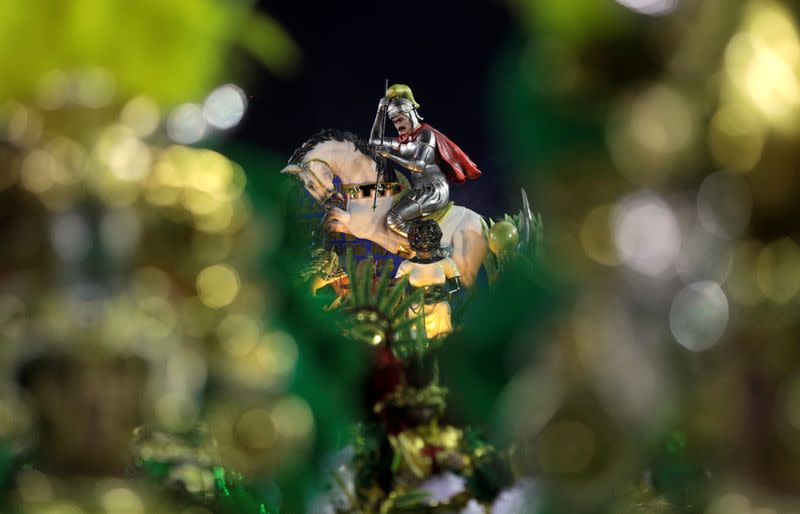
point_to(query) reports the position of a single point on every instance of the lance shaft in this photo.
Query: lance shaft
(383, 159)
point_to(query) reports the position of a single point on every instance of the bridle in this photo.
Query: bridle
(349, 191)
(330, 192)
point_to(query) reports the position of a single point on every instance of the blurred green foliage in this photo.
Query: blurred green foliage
(172, 51)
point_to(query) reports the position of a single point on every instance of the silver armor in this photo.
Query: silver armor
(429, 188)
(399, 105)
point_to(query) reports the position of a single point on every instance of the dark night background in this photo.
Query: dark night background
(443, 50)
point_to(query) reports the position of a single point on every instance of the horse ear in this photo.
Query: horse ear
(292, 169)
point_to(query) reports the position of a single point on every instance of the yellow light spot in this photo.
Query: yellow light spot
(72, 156)
(162, 195)
(36, 173)
(761, 63)
(34, 486)
(169, 171)
(730, 504)
(24, 126)
(156, 317)
(652, 133)
(122, 501)
(255, 431)
(217, 222)
(217, 286)
(736, 138)
(213, 172)
(772, 24)
(238, 334)
(778, 270)
(280, 353)
(742, 283)
(237, 182)
(199, 203)
(141, 115)
(596, 236)
(292, 419)
(123, 154)
(176, 411)
(95, 87)
(114, 192)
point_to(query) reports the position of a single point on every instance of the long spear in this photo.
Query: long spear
(383, 159)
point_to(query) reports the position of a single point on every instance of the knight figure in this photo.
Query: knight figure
(426, 153)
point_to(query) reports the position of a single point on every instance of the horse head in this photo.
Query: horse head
(330, 154)
(317, 176)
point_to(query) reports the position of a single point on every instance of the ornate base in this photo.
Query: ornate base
(405, 251)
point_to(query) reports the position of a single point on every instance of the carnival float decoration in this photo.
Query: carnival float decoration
(402, 298)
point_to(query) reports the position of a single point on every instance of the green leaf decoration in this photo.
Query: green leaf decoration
(379, 310)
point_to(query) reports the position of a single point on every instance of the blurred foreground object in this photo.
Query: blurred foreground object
(171, 52)
(129, 289)
(660, 138)
(124, 294)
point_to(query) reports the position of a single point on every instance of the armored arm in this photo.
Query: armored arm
(376, 134)
(415, 155)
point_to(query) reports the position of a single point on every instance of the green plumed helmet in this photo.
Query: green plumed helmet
(401, 91)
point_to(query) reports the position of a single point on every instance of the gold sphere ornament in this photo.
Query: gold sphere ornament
(503, 237)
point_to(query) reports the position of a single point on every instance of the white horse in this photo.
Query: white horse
(332, 154)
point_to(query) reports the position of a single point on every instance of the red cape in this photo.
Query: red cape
(459, 166)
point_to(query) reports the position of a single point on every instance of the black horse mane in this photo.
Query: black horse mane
(324, 135)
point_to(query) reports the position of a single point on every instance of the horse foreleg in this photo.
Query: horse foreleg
(469, 250)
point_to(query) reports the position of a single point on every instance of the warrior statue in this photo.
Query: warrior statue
(428, 154)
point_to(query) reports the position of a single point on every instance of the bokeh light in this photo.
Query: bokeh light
(761, 64)
(646, 233)
(95, 88)
(730, 503)
(255, 431)
(650, 7)
(724, 204)
(225, 106)
(293, 419)
(778, 270)
(699, 316)
(596, 236)
(736, 137)
(142, 115)
(70, 236)
(186, 124)
(652, 134)
(217, 285)
(122, 501)
(703, 257)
